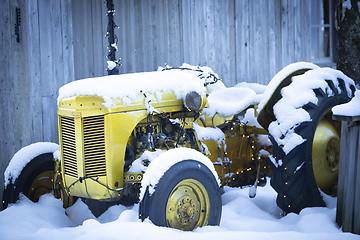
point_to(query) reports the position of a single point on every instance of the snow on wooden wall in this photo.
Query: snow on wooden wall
(64, 40)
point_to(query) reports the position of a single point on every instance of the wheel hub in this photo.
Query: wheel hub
(186, 210)
(325, 157)
(333, 154)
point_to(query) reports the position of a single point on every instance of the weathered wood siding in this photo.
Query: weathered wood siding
(348, 201)
(31, 71)
(63, 40)
(242, 40)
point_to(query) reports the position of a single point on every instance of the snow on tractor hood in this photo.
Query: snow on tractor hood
(127, 86)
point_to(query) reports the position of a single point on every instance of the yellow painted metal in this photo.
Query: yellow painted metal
(234, 154)
(326, 156)
(41, 185)
(215, 120)
(119, 122)
(83, 106)
(188, 206)
(46, 182)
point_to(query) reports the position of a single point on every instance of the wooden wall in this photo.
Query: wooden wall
(64, 40)
(31, 71)
(242, 40)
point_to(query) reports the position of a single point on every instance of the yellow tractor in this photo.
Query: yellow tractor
(170, 140)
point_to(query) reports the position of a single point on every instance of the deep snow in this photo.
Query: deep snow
(242, 218)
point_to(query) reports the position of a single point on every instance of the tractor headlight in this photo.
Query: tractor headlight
(194, 101)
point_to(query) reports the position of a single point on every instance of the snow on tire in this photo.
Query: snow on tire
(186, 197)
(306, 140)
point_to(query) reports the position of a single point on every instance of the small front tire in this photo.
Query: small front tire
(186, 197)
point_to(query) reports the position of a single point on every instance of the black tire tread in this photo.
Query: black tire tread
(297, 189)
(39, 164)
(154, 206)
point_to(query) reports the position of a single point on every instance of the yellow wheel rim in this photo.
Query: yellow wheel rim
(188, 206)
(326, 156)
(41, 185)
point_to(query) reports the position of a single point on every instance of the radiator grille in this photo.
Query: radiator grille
(94, 146)
(68, 145)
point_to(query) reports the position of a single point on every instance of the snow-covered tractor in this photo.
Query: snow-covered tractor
(172, 139)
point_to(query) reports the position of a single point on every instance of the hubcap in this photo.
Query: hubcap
(41, 185)
(188, 206)
(325, 157)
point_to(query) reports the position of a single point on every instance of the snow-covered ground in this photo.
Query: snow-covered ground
(242, 218)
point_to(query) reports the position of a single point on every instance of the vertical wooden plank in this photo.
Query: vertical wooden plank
(274, 39)
(164, 33)
(348, 198)
(67, 42)
(303, 21)
(174, 33)
(129, 37)
(22, 134)
(344, 155)
(34, 71)
(209, 33)
(5, 51)
(8, 148)
(194, 25)
(264, 67)
(242, 28)
(186, 32)
(284, 33)
(104, 40)
(145, 21)
(122, 22)
(51, 64)
(232, 43)
(138, 37)
(45, 43)
(6, 86)
(256, 48)
(97, 33)
(153, 55)
(181, 34)
(297, 31)
(56, 47)
(82, 32)
(356, 226)
(224, 40)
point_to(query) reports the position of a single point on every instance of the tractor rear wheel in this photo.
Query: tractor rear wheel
(311, 167)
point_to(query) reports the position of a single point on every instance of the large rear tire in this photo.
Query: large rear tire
(35, 180)
(312, 165)
(186, 197)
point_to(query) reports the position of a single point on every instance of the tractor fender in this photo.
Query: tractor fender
(272, 93)
(24, 156)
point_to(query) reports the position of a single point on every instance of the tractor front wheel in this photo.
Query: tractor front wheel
(186, 197)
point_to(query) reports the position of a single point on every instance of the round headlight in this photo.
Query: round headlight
(194, 101)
